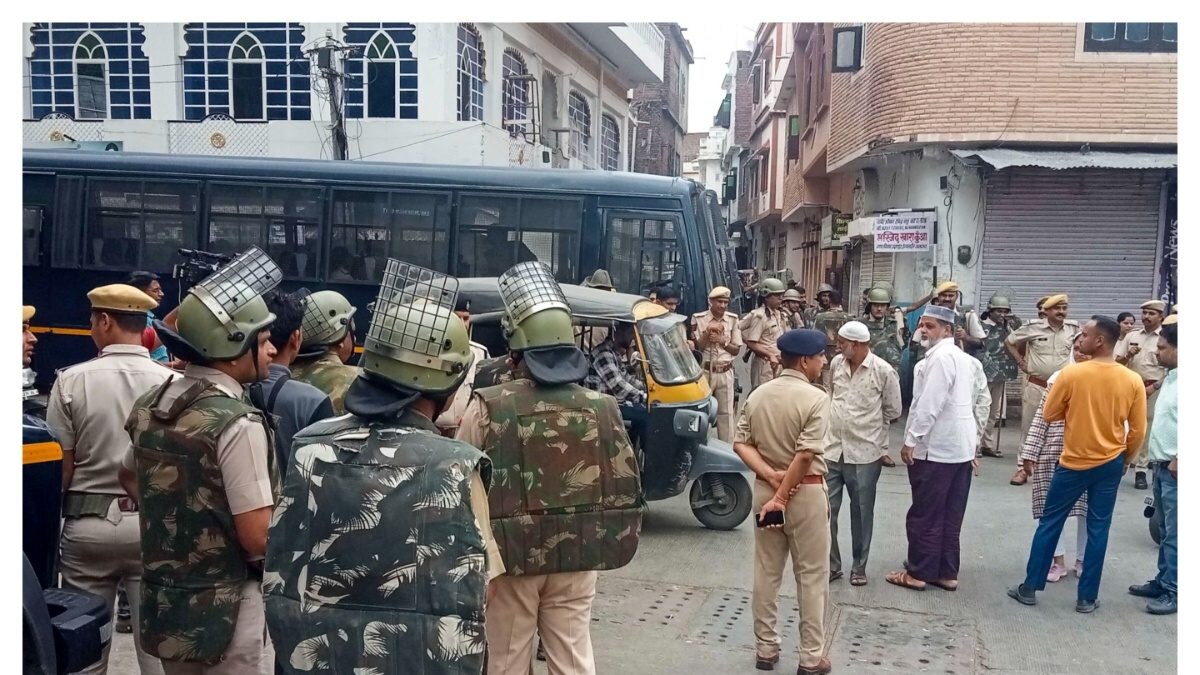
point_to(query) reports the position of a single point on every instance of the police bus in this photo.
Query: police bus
(92, 217)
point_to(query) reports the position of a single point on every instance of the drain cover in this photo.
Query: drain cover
(660, 608)
(889, 640)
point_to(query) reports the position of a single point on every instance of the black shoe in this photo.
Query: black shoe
(1150, 589)
(1022, 595)
(1139, 481)
(763, 663)
(1167, 603)
(1086, 606)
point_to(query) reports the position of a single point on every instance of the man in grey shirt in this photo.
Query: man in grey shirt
(295, 404)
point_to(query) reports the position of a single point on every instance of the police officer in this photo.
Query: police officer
(447, 421)
(761, 328)
(328, 346)
(1040, 348)
(999, 367)
(380, 549)
(88, 407)
(793, 306)
(567, 498)
(781, 436)
(1138, 350)
(829, 321)
(202, 472)
(884, 328)
(968, 332)
(719, 339)
(822, 305)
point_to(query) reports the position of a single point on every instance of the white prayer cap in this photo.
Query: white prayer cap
(940, 313)
(855, 331)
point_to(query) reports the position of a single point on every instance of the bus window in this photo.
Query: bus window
(283, 221)
(133, 224)
(642, 250)
(495, 233)
(371, 226)
(31, 234)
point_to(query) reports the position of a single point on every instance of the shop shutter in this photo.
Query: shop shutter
(1090, 233)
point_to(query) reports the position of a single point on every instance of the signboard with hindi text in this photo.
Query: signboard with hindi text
(910, 232)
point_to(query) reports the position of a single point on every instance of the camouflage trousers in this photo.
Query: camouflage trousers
(558, 607)
(249, 653)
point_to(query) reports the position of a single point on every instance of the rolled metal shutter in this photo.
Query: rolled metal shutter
(1090, 233)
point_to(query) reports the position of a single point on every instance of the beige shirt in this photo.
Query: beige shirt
(714, 353)
(784, 416)
(1145, 362)
(242, 449)
(1046, 350)
(764, 329)
(88, 407)
(862, 405)
(448, 420)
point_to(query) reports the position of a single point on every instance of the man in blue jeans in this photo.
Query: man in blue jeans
(1163, 590)
(1095, 399)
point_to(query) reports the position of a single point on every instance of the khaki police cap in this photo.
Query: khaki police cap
(1055, 300)
(1157, 305)
(120, 298)
(719, 292)
(27, 312)
(945, 287)
(1173, 319)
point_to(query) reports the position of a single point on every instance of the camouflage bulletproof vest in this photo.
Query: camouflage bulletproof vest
(193, 565)
(997, 363)
(830, 322)
(330, 375)
(883, 339)
(567, 495)
(375, 563)
(491, 372)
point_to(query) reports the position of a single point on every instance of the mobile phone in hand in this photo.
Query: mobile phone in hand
(770, 518)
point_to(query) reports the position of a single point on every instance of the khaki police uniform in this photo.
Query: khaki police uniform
(718, 364)
(764, 327)
(86, 411)
(782, 416)
(447, 422)
(1145, 364)
(243, 454)
(1046, 350)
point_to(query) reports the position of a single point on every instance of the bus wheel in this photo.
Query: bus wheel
(721, 501)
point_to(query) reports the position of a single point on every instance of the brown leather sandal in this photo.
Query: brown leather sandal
(902, 579)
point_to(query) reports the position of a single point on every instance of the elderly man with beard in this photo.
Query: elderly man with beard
(939, 449)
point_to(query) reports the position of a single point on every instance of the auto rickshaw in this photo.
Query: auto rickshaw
(675, 447)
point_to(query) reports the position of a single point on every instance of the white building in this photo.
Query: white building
(472, 94)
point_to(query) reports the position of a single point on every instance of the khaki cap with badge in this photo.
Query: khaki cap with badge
(1055, 300)
(1156, 305)
(719, 292)
(120, 299)
(27, 312)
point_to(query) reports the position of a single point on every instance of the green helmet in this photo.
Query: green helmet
(536, 313)
(327, 319)
(824, 288)
(879, 295)
(771, 286)
(792, 295)
(222, 315)
(998, 301)
(415, 340)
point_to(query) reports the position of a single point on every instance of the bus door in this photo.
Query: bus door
(643, 248)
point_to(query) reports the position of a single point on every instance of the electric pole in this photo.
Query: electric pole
(328, 62)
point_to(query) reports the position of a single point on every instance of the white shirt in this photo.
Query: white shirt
(862, 405)
(941, 421)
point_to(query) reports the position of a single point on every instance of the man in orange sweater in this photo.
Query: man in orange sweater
(1096, 399)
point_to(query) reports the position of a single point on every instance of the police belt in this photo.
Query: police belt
(1033, 379)
(78, 504)
(718, 369)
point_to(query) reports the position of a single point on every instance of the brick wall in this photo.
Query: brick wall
(656, 105)
(989, 82)
(742, 102)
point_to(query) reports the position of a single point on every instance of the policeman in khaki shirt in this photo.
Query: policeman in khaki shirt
(87, 410)
(761, 329)
(720, 339)
(1138, 350)
(1040, 348)
(781, 437)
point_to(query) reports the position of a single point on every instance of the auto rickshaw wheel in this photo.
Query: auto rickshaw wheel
(726, 500)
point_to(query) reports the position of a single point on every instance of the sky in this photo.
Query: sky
(712, 44)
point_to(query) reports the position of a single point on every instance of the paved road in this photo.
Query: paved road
(682, 605)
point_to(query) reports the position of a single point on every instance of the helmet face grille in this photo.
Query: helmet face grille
(311, 324)
(413, 310)
(246, 277)
(528, 288)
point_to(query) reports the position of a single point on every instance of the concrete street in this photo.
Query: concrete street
(683, 604)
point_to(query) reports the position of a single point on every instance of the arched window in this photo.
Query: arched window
(470, 73)
(91, 81)
(610, 144)
(517, 83)
(380, 67)
(580, 115)
(247, 79)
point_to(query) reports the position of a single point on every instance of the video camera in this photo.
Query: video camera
(197, 265)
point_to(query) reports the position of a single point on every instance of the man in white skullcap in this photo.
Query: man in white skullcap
(940, 443)
(865, 399)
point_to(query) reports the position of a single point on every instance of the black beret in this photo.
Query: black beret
(802, 342)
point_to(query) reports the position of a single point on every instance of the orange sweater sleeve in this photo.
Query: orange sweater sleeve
(1055, 407)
